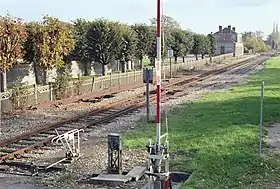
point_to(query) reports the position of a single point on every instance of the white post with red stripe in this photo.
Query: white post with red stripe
(158, 153)
(158, 73)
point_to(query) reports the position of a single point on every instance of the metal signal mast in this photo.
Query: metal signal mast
(158, 153)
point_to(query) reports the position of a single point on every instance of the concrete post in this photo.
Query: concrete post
(35, 93)
(111, 79)
(3, 81)
(148, 97)
(51, 91)
(92, 84)
(102, 82)
(127, 78)
(119, 78)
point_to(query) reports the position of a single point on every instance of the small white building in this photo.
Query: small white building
(228, 41)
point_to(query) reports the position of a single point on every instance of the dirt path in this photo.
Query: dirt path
(273, 142)
(274, 138)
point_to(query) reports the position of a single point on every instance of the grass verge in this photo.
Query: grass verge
(217, 135)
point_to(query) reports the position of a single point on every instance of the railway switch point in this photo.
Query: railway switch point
(71, 143)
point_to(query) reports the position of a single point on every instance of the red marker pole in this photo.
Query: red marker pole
(158, 72)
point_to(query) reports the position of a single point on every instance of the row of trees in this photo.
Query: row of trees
(51, 43)
(253, 41)
(45, 43)
(105, 41)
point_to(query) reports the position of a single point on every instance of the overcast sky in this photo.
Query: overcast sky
(202, 16)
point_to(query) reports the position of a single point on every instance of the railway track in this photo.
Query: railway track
(16, 147)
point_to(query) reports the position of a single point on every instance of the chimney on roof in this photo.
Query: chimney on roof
(220, 29)
(229, 28)
(233, 29)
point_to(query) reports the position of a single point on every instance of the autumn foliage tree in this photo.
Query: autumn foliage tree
(254, 42)
(12, 36)
(49, 42)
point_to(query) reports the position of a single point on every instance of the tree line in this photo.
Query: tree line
(253, 41)
(51, 43)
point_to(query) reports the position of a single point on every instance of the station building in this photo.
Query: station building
(228, 41)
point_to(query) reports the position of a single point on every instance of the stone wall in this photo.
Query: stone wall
(22, 73)
(40, 94)
(90, 68)
(25, 74)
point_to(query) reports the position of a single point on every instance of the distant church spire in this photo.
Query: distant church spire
(274, 27)
(277, 26)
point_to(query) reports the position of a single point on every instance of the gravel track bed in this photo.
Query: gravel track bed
(94, 144)
(127, 123)
(26, 120)
(29, 119)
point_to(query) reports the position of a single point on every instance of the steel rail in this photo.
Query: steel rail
(128, 105)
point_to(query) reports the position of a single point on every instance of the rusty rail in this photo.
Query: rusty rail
(128, 106)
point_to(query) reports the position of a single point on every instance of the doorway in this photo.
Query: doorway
(222, 50)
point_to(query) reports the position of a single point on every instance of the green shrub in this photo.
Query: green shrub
(78, 83)
(19, 96)
(61, 86)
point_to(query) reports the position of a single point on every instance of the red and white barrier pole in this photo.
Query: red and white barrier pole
(158, 72)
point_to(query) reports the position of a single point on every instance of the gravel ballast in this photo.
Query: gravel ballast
(94, 144)
(18, 122)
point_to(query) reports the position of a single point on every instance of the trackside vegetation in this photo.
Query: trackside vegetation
(52, 43)
(216, 137)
